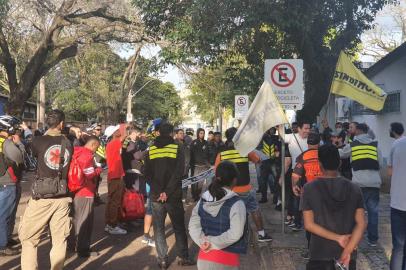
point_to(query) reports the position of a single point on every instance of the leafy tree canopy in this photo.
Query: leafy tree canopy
(212, 31)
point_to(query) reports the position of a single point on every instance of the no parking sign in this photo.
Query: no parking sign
(241, 106)
(286, 79)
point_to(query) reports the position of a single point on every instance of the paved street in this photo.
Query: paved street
(127, 252)
(116, 252)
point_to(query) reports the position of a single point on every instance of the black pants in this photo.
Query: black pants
(83, 223)
(12, 219)
(267, 178)
(327, 265)
(177, 215)
(288, 193)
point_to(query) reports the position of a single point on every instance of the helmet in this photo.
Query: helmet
(10, 124)
(92, 127)
(154, 126)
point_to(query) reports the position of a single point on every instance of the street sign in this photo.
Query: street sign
(241, 106)
(129, 117)
(286, 79)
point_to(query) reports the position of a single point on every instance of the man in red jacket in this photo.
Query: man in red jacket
(84, 197)
(114, 179)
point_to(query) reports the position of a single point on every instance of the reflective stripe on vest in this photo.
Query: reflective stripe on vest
(269, 150)
(168, 151)
(364, 151)
(364, 156)
(233, 156)
(101, 151)
(2, 140)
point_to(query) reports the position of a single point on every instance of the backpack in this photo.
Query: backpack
(133, 205)
(3, 160)
(76, 177)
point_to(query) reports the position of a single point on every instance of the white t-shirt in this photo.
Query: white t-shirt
(398, 183)
(294, 148)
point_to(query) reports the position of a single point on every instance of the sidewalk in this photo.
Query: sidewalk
(284, 253)
(127, 252)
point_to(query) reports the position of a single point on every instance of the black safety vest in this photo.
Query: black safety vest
(168, 151)
(269, 150)
(364, 156)
(3, 161)
(232, 155)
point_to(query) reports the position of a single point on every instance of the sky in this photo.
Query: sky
(169, 74)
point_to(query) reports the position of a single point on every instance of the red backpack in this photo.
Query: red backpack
(133, 205)
(76, 177)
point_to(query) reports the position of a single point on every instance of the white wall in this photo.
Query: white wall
(393, 78)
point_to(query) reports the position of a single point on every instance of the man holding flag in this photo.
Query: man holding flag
(264, 113)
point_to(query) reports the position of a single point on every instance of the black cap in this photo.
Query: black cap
(313, 139)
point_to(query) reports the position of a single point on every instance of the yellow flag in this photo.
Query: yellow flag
(349, 81)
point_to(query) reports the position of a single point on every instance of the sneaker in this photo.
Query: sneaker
(12, 243)
(288, 221)
(263, 200)
(305, 255)
(372, 244)
(278, 207)
(163, 265)
(265, 238)
(186, 262)
(8, 252)
(117, 231)
(184, 200)
(292, 224)
(107, 228)
(88, 254)
(145, 239)
(297, 228)
(151, 243)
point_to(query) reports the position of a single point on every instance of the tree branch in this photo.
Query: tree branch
(99, 13)
(8, 61)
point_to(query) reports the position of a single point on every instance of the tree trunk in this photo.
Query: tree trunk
(16, 101)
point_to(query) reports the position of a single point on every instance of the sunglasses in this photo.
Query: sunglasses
(97, 129)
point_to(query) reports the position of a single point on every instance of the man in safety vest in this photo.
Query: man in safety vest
(243, 187)
(100, 159)
(363, 151)
(268, 170)
(164, 168)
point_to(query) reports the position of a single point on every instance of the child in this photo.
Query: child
(218, 222)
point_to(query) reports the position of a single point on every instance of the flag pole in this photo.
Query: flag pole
(283, 154)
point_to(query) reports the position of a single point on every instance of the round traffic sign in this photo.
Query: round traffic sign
(241, 101)
(283, 74)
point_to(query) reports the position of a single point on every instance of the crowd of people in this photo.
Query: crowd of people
(332, 179)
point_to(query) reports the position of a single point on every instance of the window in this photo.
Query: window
(392, 104)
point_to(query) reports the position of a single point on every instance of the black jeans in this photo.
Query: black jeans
(267, 178)
(327, 265)
(177, 215)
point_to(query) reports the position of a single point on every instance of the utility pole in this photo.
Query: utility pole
(130, 97)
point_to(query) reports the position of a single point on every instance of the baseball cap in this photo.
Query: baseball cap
(110, 130)
(313, 138)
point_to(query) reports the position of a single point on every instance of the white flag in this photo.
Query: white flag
(264, 113)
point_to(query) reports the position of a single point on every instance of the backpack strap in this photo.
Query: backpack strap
(62, 157)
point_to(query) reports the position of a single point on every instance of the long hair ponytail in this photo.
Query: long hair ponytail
(226, 172)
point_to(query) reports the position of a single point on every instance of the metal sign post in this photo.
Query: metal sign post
(283, 154)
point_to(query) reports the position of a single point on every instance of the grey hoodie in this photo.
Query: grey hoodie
(364, 178)
(238, 216)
